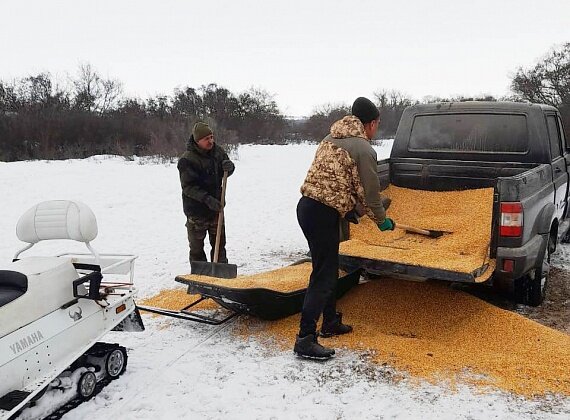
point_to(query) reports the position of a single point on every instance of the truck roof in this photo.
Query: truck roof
(501, 106)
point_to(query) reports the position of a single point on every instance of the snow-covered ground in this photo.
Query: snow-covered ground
(180, 369)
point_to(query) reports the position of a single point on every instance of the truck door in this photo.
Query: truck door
(559, 166)
(566, 153)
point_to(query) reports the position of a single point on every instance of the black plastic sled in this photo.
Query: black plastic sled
(262, 303)
(259, 302)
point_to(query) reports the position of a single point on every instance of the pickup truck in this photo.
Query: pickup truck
(519, 149)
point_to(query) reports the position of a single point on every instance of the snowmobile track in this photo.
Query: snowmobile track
(99, 349)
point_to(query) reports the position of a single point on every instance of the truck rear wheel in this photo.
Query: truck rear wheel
(531, 288)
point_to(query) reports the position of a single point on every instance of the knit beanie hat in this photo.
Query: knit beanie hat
(200, 131)
(365, 110)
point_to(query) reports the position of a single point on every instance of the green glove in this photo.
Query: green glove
(387, 224)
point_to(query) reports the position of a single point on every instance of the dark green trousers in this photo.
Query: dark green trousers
(197, 229)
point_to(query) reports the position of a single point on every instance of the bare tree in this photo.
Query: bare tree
(259, 116)
(110, 92)
(392, 99)
(8, 97)
(93, 93)
(187, 102)
(391, 104)
(548, 81)
(319, 122)
(36, 89)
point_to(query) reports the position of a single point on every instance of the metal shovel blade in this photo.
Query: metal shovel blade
(220, 270)
(434, 233)
(425, 232)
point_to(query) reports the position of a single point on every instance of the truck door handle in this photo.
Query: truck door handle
(557, 169)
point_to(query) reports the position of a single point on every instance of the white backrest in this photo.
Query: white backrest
(57, 219)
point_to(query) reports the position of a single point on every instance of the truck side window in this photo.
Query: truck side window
(554, 136)
(561, 130)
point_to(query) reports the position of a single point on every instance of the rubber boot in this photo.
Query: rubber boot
(334, 327)
(309, 348)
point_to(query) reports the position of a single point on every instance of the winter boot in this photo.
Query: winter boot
(334, 327)
(309, 348)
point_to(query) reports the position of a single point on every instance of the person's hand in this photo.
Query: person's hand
(212, 203)
(228, 165)
(387, 224)
(352, 217)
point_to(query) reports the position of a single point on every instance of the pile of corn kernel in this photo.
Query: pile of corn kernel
(176, 299)
(431, 332)
(285, 279)
(464, 216)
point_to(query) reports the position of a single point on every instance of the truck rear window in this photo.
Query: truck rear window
(471, 133)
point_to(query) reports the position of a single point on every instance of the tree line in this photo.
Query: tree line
(41, 118)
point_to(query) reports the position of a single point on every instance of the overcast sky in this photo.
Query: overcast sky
(307, 53)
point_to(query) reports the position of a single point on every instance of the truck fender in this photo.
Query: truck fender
(544, 219)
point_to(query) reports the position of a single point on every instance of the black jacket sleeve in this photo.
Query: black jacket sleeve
(226, 157)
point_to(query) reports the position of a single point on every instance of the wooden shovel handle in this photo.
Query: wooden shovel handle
(220, 218)
(413, 229)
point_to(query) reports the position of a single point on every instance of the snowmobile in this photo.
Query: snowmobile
(54, 309)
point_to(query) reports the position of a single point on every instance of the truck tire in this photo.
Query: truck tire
(531, 288)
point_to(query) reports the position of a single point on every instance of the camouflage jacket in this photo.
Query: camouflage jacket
(343, 173)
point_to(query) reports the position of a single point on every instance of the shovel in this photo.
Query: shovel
(425, 232)
(216, 269)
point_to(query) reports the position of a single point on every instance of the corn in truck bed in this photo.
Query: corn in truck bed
(461, 254)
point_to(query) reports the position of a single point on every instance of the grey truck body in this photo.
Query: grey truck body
(519, 149)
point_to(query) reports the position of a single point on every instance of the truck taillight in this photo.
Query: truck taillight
(511, 219)
(508, 265)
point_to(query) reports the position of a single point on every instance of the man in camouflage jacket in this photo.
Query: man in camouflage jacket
(342, 183)
(201, 170)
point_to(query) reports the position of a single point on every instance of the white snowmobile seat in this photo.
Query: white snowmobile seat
(49, 279)
(12, 286)
(49, 286)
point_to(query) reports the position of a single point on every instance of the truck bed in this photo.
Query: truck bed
(446, 175)
(461, 254)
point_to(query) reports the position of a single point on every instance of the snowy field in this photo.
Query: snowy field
(178, 369)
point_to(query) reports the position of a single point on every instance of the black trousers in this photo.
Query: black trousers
(320, 225)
